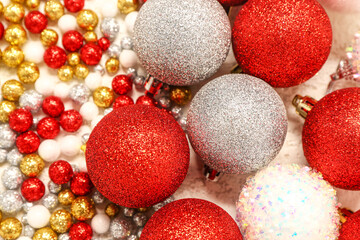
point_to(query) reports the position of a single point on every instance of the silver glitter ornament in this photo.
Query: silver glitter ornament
(64, 236)
(97, 197)
(50, 201)
(126, 43)
(7, 136)
(183, 122)
(28, 231)
(129, 212)
(114, 50)
(79, 93)
(110, 28)
(140, 219)
(26, 206)
(3, 154)
(12, 178)
(10, 201)
(53, 187)
(31, 100)
(14, 157)
(132, 73)
(139, 82)
(120, 228)
(237, 123)
(100, 69)
(182, 42)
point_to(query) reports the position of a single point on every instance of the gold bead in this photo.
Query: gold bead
(6, 108)
(12, 90)
(14, 12)
(112, 65)
(90, 37)
(112, 209)
(65, 73)
(13, 56)
(180, 95)
(127, 6)
(10, 228)
(15, 34)
(32, 4)
(83, 148)
(61, 221)
(143, 209)
(66, 197)
(28, 72)
(49, 37)
(31, 165)
(73, 59)
(45, 233)
(87, 19)
(103, 97)
(83, 208)
(81, 71)
(54, 9)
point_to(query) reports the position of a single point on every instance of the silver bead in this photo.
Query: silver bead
(108, 110)
(129, 212)
(12, 178)
(31, 100)
(127, 43)
(50, 201)
(100, 69)
(164, 102)
(176, 111)
(120, 228)
(132, 73)
(183, 122)
(85, 138)
(7, 136)
(53, 187)
(3, 154)
(79, 93)
(110, 28)
(132, 237)
(14, 157)
(139, 82)
(140, 219)
(24, 219)
(64, 236)
(28, 231)
(10, 201)
(114, 50)
(26, 206)
(97, 197)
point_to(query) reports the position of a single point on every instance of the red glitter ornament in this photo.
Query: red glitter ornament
(231, 2)
(35, 22)
(72, 40)
(331, 138)
(122, 101)
(104, 43)
(2, 30)
(191, 219)
(48, 128)
(55, 57)
(32, 189)
(146, 100)
(53, 106)
(350, 229)
(28, 142)
(137, 156)
(91, 54)
(71, 120)
(80, 231)
(81, 184)
(283, 42)
(122, 84)
(60, 172)
(74, 5)
(20, 120)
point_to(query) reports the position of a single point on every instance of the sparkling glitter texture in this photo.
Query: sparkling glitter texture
(280, 201)
(137, 156)
(191, 219)
(331, 138)
(284, 42)
(237, 123)
(350, 229)
(182, 42)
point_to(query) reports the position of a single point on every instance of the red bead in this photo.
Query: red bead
(71, 120)
(122, 84)
(74, 5)
(55, 57)
(350, 229)
(72, 40)
(28, 142)
(91, 54)
(146, 100)
(104, 43)
(123, 100)
(53, 106)
(35, 22)
(2, 30)
(81, 184)
(20, 120)
(231, 2)
(48, 128)
(80, 231)
(60, 172)
(32, 189)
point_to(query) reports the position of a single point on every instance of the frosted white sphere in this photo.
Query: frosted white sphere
(100, 223)
(96, 121)
(70, 145)
(62, 90)
(130, 21)
(45, 86)
(67, 22)
(128, 58)
(109, 9)
(89, 111)
(49, 150)
(34, 51)
(93, 80)
(38, 216)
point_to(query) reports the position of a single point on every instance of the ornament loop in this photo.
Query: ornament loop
(303, 105)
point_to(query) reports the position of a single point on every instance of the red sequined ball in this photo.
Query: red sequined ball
(72, 40)
(123, 100)
(122, 84)
(60, 172)
(55, 57)
(74, 5)
(71, 120)
(48, 128)
(27, 142)
(53, 106)
(91, 54)
(104, 43)
(146, 100)
(20, 120)
(32, 189)
(81, 184)
(80, 231)
(35, 22)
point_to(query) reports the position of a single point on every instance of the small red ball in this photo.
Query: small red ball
(60, 172)
(74, 5)
(91, 54)
(28, 142)
(72, 40)
(53, 106)
(231, 2)
(2, 30)
(104, 43)
(146, 100)
(32, 189)
(48, 128)
(35, 22)
(55, 57)
(350, 229)
(81, 184)
(122, 84)
(20, 120)
(71, 120)
(80, 231)
(123, 100)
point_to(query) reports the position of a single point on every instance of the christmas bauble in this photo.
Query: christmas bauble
(342, 5)
(279, 201)
(137, 156)
(284, 42)
(350, 229)
(331, 138)
(182, 42)
(237, 123)
(191, 219)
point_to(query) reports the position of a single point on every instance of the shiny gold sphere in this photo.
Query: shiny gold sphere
(14, 12)
(83, 148)
(31, 165)
(81, 71)
(45, 233)
(127, 6)
(180, 95)
(12, 90)
(66, 197)
(6, 108)
(10, 228)
(13, 56)
(15, 34)
(87, 19)
(65, 73)
(49, 37)
(90, 37)
(73, 59)
(83, 208)
(103, 97)
(32, 4)
(143, 209)
(28, 72)
(61, 221)
(112, 65)
(54, 9)
(112, 209)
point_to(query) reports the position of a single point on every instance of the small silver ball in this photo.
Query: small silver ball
(24, 219)
(164, 102)
(31, 100)
(114, 50)
(176, 111)
(14, 157)
(98, 198)
(10, 201)
(140, 219)
(12, 178)
(129, 212)
(183, 122)
(110, 28)
(64, 236)
(53, 187)
(120, 228)
(28, 231)
(100, 69)
(107, 111)
(132, 73)
(3, 154)
(127, 43)
(50, 201)
(139, 82)
(7, 136)
(85, 138)
(26, 206)
(132, 237)
(80, 93)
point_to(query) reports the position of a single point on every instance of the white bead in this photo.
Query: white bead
(100, 223)
(128, 58)
(109, 9)
(45, 86)
(38, 216)
(34, 51)
(23, 238)
(67, 22)
(89, 111)
(96, 121)
(70, 145)
(93, 80)
(62, 90)
(130, 21)
(49, 150)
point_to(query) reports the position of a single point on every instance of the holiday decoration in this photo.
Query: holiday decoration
(48, 128)
(342, 5)
(61, 221)
(82, 208)
(10, 228)
(80, 231)
(146, 100)
(60, 172)
(122, 100)
(122, 84)
(35, 22)
(28, 142)
(31, 165)
(81, 184)
(91, 54)
(12, 90)
(71, 120)
(32, 189)
(55, 57)
(349, 229)
(20, 120)
(103, 97)
(72, 40)
(28, 72)
(74, 5)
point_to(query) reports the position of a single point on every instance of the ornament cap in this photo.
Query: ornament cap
(152, 85)
(303, 105)
(211, 174)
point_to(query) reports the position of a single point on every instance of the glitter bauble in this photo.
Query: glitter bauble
(10, 202)
(20, 120)
(61, 221)
(53, 106)
(48, 128)
(7, 136)
(191, 219)
(123, 100)
(35, 22)
(71, 120)
(278, 202)
(81, 184)
(237, 123)
(110, 28)
(74, 5)
(120, 228)
(182, 42)
(83, 208)
(66, 197)
(91, 54)
(55, 57)
(45, 233)
(350, 229)
(72, 40)
(27, 142)
(10, 228)
(12, 177)
(133, 136)
(80, 231)
(32, 189)
(31, 165)
(284, 42)
(79, 93)
(60, 172)
(31, 100)
(345, 6)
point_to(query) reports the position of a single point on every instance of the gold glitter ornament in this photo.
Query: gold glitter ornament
(103, 97)
(61, 221)
(127, 6)
(10, 228)
(112, 209)
(180, 95)
(81, 71)
(6, 108)
(65, 73)
(32, 4)
(54, 9)
(66, 197)
(83, 208)
(15, 34)
(31, 165)
(87, 19)
(13, 56)
(49, 37)
(28, 72)
(45, 233)
(12, 90)
(73, 59)
(112, 65)
(14, 12)
(90, 37)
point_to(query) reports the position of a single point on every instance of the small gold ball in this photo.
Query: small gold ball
(12, 90)
(15, 34)
(14, 12)
(48, 37)
(45, 233)
(1, 8)
(32, 4)
(143, 209)
(103, 97)
(73, 59)
(87, 19)
(31, 165)
(28, 72)
(6, 108)
(90, 37)
(61, 221)
(54, 9)
(10, 228)
(83, 208)
(81, 71)
(127, 6)
(180, 95)
(83, 147)
(66, 197)
(13, 56)
(112, 65)
(65, 73)
(112, 209)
